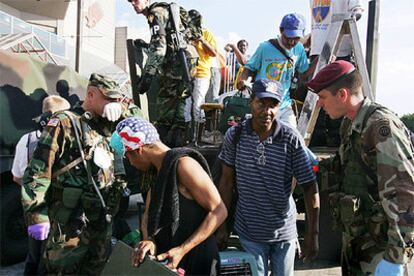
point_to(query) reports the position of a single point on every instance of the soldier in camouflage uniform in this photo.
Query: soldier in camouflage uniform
(375, 204)
(69, 187)
(164, 61)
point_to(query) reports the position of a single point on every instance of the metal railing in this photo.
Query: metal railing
(55, 44)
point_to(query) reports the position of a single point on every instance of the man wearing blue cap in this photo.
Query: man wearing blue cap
(278, 59)
(259, 159)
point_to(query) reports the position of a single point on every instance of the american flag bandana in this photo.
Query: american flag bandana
(136, 132)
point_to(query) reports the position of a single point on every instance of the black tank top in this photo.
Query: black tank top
(199, 260)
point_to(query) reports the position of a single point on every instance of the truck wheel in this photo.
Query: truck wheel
(13, 235)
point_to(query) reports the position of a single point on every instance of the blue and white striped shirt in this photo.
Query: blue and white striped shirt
(265, 209)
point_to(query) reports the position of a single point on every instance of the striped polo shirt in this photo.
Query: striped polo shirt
(265, 209)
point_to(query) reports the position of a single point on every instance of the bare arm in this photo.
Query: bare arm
(210, 50)
(199, 185)
(202, 189)
(312, 205)
(145, 245)
(240, 57)
(226, 186)
(144, 222)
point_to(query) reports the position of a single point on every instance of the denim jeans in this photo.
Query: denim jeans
(280, 254)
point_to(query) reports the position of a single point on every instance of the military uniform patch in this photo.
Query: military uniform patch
(53, 122)
(384, 131)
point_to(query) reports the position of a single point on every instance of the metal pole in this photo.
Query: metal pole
(79, 27)
(133, 71)
(372, 43)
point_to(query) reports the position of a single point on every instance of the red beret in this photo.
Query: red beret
(329, 74)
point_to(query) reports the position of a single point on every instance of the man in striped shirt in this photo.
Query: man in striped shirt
(260, 160)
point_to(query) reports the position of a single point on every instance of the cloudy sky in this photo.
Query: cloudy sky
(231, 20)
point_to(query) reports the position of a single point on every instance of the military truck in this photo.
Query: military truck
(24, 83)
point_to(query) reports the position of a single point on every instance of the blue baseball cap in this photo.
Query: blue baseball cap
(265, 88)
(293, 25)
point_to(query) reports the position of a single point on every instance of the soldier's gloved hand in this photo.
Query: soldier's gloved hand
(385, 268)
(39, 231)
(140, 43)
(144, 84)
(112, 111)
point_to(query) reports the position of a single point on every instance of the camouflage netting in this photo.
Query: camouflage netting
(24, 83)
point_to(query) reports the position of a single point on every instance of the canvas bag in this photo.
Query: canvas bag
(235, 109)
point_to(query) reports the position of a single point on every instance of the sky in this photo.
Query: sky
(258, 20)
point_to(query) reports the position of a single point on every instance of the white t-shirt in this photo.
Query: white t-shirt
(22, 153)
(321, 15)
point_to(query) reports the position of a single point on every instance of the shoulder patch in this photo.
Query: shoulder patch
(53, 122)
(383, 129)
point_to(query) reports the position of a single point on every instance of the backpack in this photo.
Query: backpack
(187, 30)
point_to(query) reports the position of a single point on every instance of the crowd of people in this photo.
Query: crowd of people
(74, 173)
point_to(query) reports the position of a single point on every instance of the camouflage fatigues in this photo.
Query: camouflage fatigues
(375, 207)
(57, 188)
(164, 61)
(65, 198)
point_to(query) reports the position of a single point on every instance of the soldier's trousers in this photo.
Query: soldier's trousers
(361, 255)
(83, 255)
(170, 106)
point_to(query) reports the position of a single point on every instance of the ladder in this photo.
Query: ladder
(339, 27)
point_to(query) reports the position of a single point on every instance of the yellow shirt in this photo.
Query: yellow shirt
(205, 60)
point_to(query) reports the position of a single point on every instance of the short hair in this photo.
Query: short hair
(54, 103)
(352, 81)
(241, 41)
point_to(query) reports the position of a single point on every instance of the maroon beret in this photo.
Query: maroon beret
(329, 74)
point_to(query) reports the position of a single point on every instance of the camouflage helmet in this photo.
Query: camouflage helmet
(106, 85)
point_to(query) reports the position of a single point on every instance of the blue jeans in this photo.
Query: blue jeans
(280, 254)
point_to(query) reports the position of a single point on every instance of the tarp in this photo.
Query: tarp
(24, 83)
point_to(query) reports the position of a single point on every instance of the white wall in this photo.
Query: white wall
(98, 32)
(99, 39)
